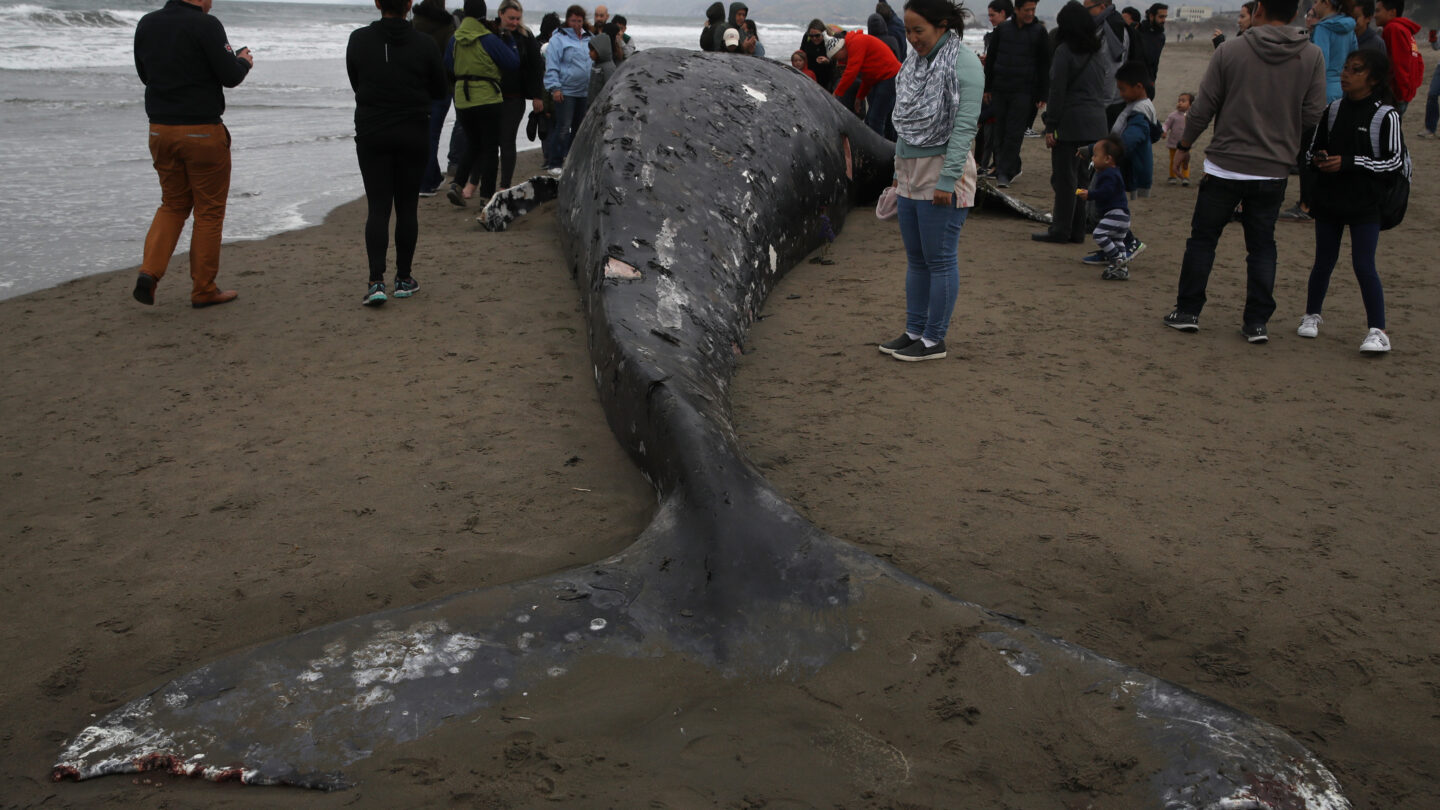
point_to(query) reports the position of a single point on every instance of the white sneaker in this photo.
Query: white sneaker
(1376, 341)
(1309, 326)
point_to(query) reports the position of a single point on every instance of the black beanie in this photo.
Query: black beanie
(475, 8)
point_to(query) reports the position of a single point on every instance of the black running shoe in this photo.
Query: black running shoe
(1183, 321)
(1255, 333)
(406, 287)
(375, 295)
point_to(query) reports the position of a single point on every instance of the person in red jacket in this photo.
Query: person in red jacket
(870, 61)
(1407, 66)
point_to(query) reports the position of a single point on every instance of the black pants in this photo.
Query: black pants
(512, 112)
(1067, 220)
(392, 162)
(1214, 205)
(1013, 113)
(482, 133)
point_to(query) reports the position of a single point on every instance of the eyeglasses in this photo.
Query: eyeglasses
(815, 36)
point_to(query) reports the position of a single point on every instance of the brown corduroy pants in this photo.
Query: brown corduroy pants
(193, 163)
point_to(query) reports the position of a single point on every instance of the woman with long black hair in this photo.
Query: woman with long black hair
(937, 110)
(396, 73)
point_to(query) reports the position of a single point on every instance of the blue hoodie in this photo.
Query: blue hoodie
(1335, 35)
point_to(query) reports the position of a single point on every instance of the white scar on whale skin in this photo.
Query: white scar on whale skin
(665, 244)
(755, 94)
(671, 299)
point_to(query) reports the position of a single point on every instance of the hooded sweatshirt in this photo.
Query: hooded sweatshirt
(1133, 128)
(395, 72)
(1335, 36)
(1261, 91)
(604, 65)
(477, 56)
(434, 23)
(708, 37)
(876, 26)
(869, 60)
(731, 22)
(1407, 66)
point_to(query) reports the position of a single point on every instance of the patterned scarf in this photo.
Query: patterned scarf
(927, 94)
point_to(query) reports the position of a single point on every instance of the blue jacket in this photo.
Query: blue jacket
(1139, 168)
(1335, 35)
(567, 64)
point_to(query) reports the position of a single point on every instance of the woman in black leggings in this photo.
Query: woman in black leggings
(395, 72)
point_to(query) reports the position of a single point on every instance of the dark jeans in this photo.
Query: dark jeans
(1363, 240)
(482, 132)
(881, 101)
(434, 175)
(1214, 205)
(568, 114)
(458, 145)
(392, 162)
(1067, 220)
(1432, 102)
(1013, 113)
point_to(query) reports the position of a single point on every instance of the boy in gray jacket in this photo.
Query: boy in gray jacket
(1261, 90)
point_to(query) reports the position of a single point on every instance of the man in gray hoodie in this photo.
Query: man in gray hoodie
(1261, 90)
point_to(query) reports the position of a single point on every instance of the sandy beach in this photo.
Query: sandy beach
(1253, 522)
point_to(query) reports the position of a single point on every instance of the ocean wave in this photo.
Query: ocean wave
(72, 104)
(41, 16)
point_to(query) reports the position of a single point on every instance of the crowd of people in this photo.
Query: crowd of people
(1325, 99)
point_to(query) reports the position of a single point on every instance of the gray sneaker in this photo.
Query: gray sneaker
(406, 287)
(892, 346)
(375, 295)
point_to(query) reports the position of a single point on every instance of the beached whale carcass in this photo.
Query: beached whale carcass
(695, 182)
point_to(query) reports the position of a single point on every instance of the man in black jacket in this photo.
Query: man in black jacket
(1151, 36)
(185, 60)
(1017, 80)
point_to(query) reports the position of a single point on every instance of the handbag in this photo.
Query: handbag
(887, 206)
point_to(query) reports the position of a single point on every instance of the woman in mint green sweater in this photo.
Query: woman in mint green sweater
(937, 109)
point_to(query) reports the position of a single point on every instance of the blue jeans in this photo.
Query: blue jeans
(434, 175)
(1214, 205)
(1432, 101)
(568, 114)
(1364, 238)
(932, 272)
(882, 103)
